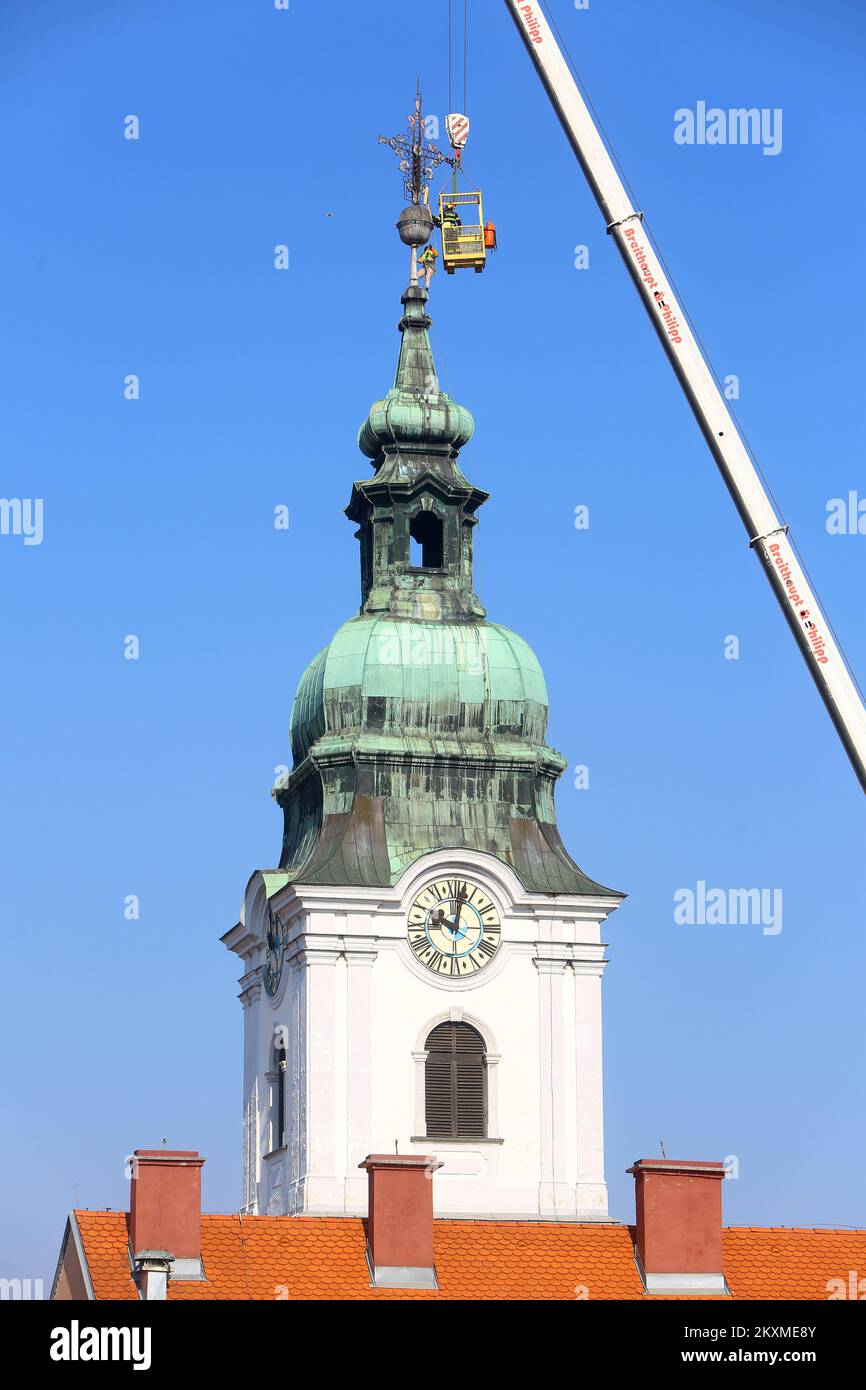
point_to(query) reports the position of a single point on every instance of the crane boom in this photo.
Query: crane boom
(768, 537)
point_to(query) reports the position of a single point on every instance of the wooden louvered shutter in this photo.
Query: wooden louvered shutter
(437, 1083)
(470, 1076)
(455, 1083)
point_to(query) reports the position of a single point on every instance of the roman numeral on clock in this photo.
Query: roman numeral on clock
(453, 927)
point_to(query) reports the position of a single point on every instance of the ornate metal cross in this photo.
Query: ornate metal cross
(418, 156)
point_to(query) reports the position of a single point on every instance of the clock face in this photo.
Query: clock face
(454, 927)
(275, 953)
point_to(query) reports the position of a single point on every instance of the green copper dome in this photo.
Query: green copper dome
(421, 726)
(421, 682)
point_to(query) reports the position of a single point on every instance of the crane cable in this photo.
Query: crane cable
(465, 56)
(449, 54)
(456, 163)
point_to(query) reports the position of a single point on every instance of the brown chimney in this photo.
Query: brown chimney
(165, 1207)
(400, 1220)
(678, 1225)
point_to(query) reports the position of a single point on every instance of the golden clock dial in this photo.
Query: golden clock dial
(453, 927)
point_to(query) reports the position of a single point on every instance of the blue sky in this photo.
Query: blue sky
(152, 777)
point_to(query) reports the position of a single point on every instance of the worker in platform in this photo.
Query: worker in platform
(450, 216)
(427, 261)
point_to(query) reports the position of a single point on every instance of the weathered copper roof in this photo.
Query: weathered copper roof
(421, 726)
(416, 415)
(477, 681)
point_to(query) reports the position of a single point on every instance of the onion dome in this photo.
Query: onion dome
(416, 417)
(431, 683)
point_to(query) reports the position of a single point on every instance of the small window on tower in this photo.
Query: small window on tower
(455, 1083)
(426, 548)
(277, 1080)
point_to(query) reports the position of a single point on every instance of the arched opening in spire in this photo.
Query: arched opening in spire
(426, 542)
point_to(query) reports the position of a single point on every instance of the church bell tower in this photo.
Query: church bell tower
(423, 967)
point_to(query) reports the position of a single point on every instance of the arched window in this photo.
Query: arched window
(455, 1083)
(277, 1079)
(426, 548)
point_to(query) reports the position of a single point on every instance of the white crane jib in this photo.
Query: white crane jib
(768, 536)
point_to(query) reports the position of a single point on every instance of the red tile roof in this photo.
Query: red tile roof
(269, 1257)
